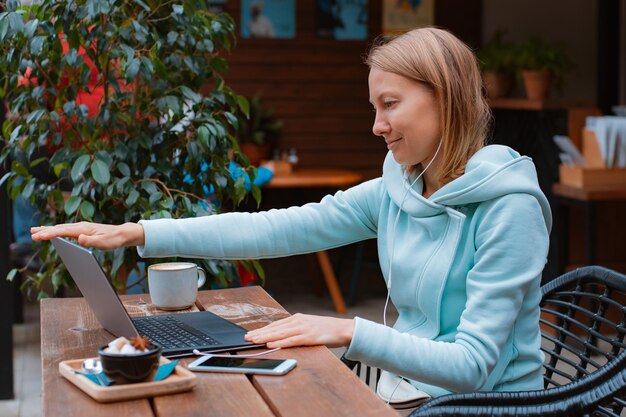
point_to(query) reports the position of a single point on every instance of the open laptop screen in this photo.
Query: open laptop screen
(95, 287)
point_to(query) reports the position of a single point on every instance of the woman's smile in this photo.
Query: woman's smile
(392, 143)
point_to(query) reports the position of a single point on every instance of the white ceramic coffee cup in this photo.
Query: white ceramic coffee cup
(174, 285)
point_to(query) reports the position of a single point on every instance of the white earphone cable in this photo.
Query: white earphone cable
(395, 225)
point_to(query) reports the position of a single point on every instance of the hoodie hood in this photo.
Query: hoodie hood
(492, 172)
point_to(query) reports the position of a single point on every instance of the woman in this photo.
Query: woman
(462, 233)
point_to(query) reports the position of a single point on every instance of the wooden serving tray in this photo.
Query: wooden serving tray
(179, 380)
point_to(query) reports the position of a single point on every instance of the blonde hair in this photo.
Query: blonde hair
(439, 60)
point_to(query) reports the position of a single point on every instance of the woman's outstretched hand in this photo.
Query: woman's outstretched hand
(94, 235)
(304, 330)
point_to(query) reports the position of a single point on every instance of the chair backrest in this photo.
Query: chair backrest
(583, 319)
(578, 398)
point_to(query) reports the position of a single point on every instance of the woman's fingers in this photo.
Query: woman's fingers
(98, 241)
(287, 343)
(273, 334)
(60, 230)
(275, 329)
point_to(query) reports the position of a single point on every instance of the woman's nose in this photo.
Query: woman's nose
(380, 126)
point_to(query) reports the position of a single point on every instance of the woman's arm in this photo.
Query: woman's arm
(337, 220)
(344, 218)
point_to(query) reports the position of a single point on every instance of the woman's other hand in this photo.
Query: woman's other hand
(304, 330)
(94, 235)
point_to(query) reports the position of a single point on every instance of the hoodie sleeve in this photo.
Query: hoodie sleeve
(346, 217)
(511, 241)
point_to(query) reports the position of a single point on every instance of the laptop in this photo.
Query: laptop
(176, 334)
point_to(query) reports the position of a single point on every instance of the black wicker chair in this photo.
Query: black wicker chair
(583, 328)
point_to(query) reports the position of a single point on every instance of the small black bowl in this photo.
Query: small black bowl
(128, 369)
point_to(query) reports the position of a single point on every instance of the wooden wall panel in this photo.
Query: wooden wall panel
(318, 87)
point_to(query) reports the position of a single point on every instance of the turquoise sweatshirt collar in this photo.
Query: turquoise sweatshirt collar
(492, 172)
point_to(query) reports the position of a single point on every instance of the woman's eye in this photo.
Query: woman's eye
(389, 104)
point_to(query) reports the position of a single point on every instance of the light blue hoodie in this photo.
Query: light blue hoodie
(466, 267)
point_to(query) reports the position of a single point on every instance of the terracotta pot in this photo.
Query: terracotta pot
(537, 83)
(255, 153)
(497, 84)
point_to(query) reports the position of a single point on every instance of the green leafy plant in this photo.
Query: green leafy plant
(497, 55)
(538, 54)
(259, 125)
(155, 147)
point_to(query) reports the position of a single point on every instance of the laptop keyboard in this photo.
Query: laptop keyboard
(169, 332)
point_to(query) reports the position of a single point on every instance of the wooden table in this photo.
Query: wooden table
(587, 198)
(322, 178)
(319, 386)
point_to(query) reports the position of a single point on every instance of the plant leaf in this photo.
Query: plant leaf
(154, 198)
(86, 210)
(118, 260)
(100, 172)
(15, 133)
(34, 116)
(56, 280)
(4, 28)
(30, 28)
(244, 105)
(4, 178)
(124, 169)
(16, 22)
(79, 167)
(19, 168)
(171, 37)
(189, 94)
(58, 169)
(28, 190)
(36, 45)
(72, 204)
(132, 198)
(132, 68)
(203, 135)
(150, 187)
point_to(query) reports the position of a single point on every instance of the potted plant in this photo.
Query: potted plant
(541, 64)
(258, 131)
(497, 64)
(143, 149)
